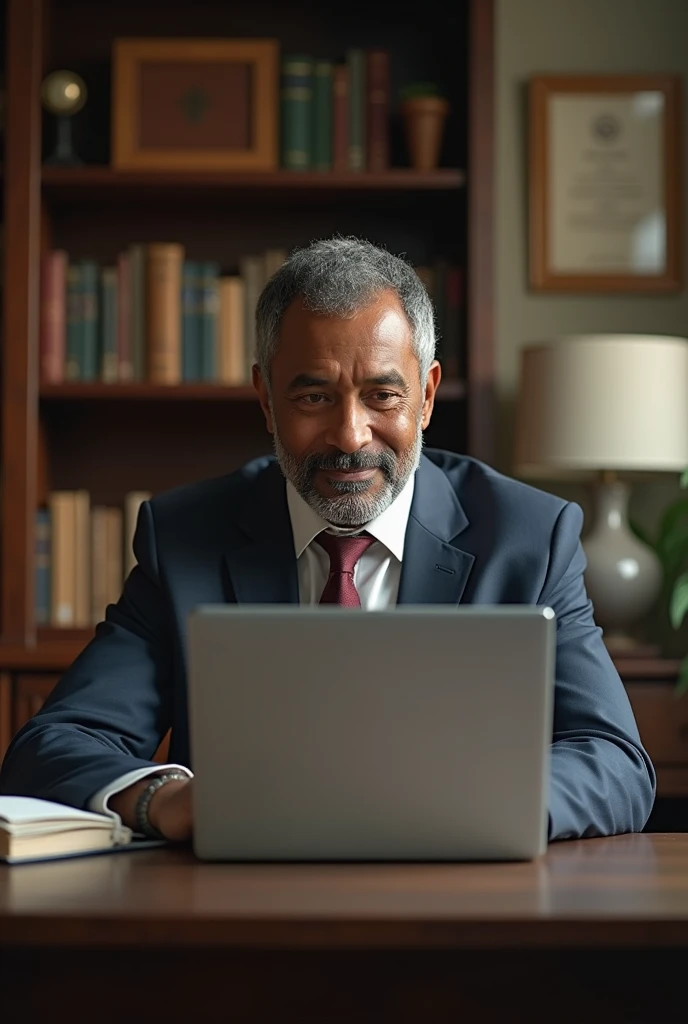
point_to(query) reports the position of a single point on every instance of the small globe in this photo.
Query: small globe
(63, 92)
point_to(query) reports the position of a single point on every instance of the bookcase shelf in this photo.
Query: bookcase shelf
(89, 182)
(114, 439)
(449, 390)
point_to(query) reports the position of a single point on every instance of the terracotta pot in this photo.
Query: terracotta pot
(424, 118)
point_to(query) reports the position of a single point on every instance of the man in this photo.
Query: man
(346, 377)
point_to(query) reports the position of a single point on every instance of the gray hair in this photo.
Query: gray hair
(338, 277)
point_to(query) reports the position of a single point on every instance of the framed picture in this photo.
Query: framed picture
(195, 104)
(605, 183)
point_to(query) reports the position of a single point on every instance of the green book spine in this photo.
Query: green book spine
(73, 344)
(90, 303)
(42, 567)
(109, 367)
(210, 304)
(137, 311)
(297, 113)
(356, 62)
(322, 115)
(191, 342)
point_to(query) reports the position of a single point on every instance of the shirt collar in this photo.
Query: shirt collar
(389, 527)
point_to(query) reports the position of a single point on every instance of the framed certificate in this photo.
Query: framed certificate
(605, 183)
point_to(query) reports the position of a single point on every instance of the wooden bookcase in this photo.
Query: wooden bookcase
(111, 439)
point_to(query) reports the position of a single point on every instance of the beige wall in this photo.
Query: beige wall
(587, 37)
(576, 36)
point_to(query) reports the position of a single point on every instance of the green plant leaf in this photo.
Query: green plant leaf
(682, 684)
(673, 515)
(641, 533)
(684, 478)
(673, 552)
(679, 601)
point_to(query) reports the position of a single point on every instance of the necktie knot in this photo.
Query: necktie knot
(344, 553)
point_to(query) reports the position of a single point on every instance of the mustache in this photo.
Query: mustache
(341, 462)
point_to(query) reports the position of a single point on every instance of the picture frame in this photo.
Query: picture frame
(605, 203)
(195, 104)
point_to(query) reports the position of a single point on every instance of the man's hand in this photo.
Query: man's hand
(169, 810)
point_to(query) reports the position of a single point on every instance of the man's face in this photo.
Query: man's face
(346, 407)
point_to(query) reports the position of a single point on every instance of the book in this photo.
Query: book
(163, 283)
(32, 829)
(52, 331)
(209, 302)
(125, 369)
(231, 355)
(109, 354)
(378, 109)
(297, 112)
(62, 508)
(340, 118)
(358, 104)
(42, 567)
(191, 345)
(322, 115)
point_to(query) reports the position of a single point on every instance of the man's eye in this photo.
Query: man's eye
(312, 399)
(384, 396)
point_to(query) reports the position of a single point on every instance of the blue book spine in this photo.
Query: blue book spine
(109, 288)
(90, 331)
(42, 567)
(191, 341)
(209, 305)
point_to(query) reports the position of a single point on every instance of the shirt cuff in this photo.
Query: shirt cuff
(99, 801)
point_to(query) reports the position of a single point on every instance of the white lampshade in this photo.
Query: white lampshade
(603, 402)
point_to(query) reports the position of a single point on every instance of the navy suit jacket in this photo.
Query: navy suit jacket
(230, 540)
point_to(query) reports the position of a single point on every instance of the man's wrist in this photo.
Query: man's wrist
(148, 801)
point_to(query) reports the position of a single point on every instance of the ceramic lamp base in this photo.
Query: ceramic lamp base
(624, 576)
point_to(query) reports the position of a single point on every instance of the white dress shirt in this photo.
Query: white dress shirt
(376, 578)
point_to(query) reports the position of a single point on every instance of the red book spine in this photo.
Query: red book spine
(53, 322)
(378, 110)
(340, 118)
(124, 357)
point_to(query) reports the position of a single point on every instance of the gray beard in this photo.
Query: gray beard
(353, 507)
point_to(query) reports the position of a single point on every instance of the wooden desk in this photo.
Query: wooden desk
(595, 930)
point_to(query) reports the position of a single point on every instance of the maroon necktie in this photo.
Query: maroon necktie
(344, 553)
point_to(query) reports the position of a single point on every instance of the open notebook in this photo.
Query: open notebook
(33, 829)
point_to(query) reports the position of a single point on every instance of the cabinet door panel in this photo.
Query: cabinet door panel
(30, 692)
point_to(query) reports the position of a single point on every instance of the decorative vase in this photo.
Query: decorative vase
(424, 118)
(623, 575)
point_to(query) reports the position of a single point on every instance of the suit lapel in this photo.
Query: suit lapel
(263, 569)
(433, 571)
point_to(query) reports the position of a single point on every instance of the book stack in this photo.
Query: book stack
(335, 115)
(154, 316)
(83, 555)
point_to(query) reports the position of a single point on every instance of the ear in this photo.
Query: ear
(434, 377)
(263, 396)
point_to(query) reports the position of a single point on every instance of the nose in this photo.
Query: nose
(349, 428)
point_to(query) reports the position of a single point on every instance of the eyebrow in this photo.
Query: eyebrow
(392, 378)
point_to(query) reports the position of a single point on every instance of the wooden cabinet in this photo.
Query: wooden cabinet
(22, 695)
(29, 693)
(662, 717)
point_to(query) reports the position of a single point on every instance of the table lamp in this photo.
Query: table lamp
(601, 406)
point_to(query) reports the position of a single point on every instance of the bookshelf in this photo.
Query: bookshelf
(114, 438)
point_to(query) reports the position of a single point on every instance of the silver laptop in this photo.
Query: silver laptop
(416, 734)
